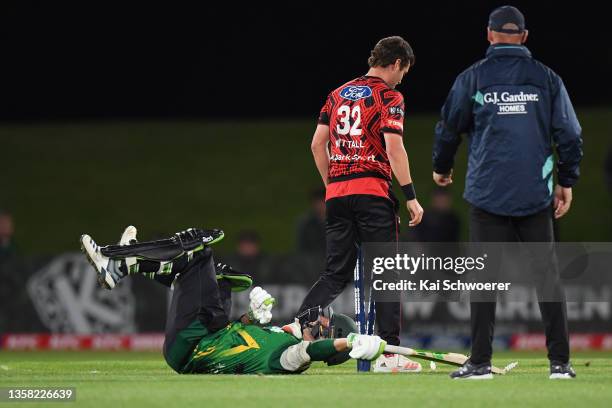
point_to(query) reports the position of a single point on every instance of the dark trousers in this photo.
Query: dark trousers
(487, 227)
(351, 220)
(197, 296)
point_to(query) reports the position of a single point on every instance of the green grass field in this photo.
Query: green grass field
(115, 379)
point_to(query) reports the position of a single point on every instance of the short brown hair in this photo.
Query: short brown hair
(390, 49)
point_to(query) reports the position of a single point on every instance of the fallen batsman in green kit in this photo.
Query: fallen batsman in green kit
(199, 336)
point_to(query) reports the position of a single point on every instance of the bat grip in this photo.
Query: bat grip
(404, 351)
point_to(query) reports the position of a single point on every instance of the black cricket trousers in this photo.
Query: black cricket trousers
(197, 296)
(351, 220)
(538, 227)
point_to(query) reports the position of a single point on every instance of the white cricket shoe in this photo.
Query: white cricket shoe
(106, 268)
(129, 236)
(395, 363)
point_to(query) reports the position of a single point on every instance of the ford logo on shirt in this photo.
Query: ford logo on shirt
(354, 93)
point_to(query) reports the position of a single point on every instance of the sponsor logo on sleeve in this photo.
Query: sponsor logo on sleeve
(395, 123)
(396, 110)
(354, 93)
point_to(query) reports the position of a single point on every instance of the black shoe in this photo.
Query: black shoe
(194, 237)
(238, 281)
(561, 371)
(211, 236)
(473, 371)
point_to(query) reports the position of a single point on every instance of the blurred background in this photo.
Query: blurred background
(167, 117)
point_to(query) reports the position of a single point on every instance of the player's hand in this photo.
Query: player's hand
(416, 212)
(563, 200)
(294, 329)
(443, 180)
(260, 307)
(364, 347)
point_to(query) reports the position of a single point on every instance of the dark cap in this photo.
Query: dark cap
(506, 15)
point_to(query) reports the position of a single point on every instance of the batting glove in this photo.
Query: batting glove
(294, 329)
(260, 307)
(365, 347)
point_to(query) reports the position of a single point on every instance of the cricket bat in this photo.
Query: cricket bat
(455, 359)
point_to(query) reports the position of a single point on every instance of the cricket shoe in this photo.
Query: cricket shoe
(560, 371)
(238, 281)
(129, 236)
(396, 363)
(471, 371)
(106, 268)
(192, 237)
(212, 236)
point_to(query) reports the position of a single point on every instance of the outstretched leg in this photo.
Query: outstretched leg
(160, 260)
(201, 299)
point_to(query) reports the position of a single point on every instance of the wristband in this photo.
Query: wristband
(408, 191)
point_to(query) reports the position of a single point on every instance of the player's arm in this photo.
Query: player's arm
(320, 150)
(566, 132)
(398, 158)
(392, 127)
(320, 141)
(362, 346)
(298, 357)
(331, 350)
(456, 119)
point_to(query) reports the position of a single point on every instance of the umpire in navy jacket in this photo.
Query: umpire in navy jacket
(514, 109)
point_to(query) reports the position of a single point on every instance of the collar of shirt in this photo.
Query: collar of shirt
(508, 49)
(375, 78)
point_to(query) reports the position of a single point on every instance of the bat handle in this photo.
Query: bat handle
(404, 351)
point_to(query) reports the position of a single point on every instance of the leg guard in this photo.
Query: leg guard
(295, 358)
(191, 240)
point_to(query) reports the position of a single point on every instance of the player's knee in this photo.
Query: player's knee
(295, 358)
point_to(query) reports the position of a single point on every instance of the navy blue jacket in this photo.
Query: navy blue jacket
(514, 109)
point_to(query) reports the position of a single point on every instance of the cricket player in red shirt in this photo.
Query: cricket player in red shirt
(356, 146)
